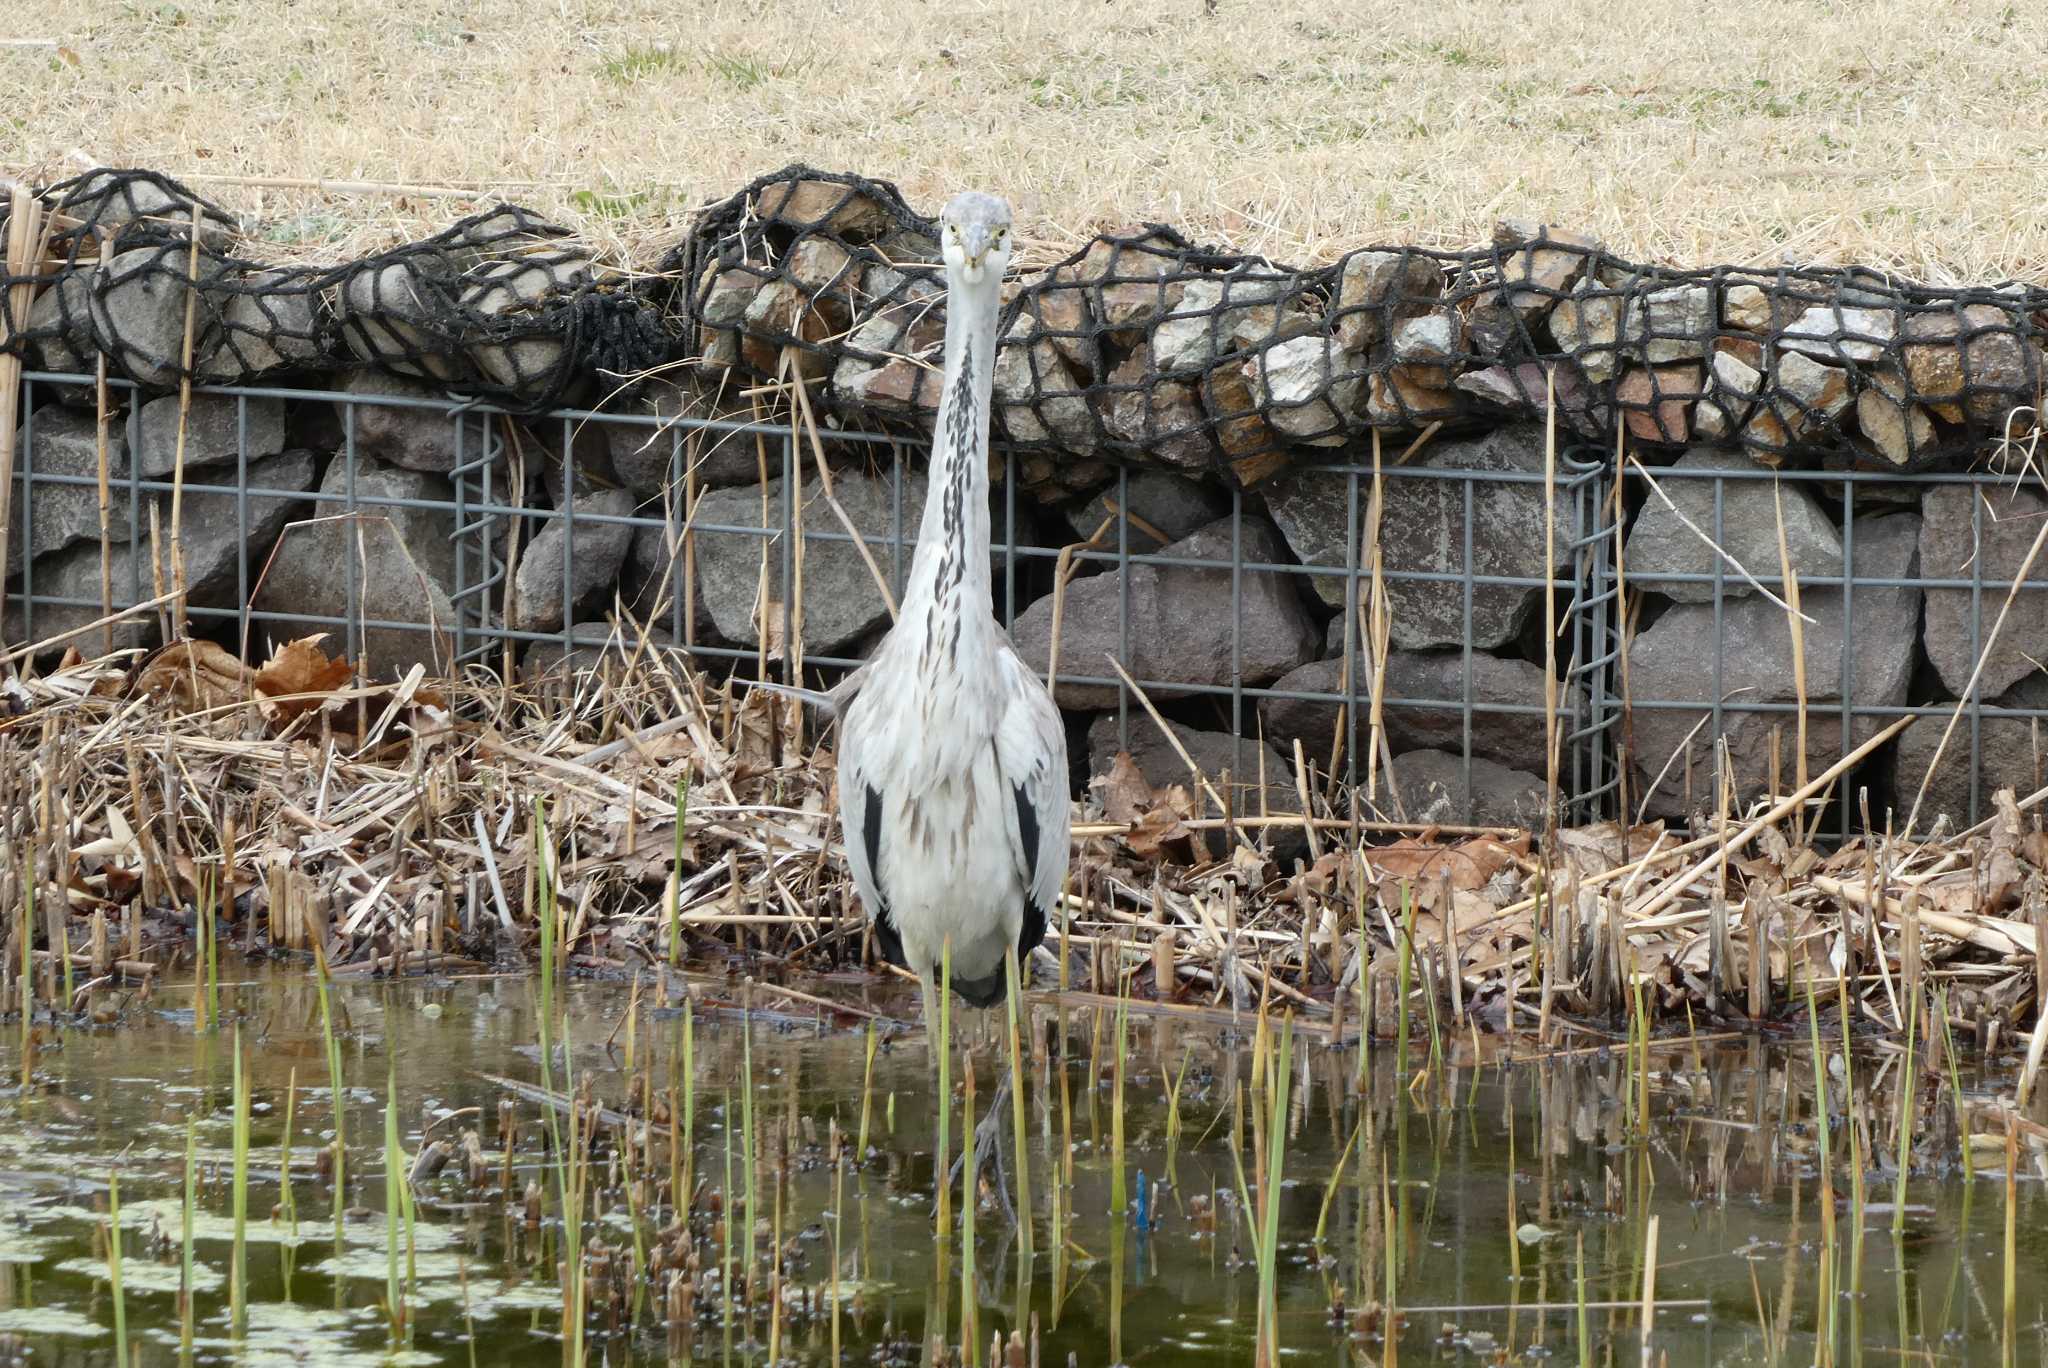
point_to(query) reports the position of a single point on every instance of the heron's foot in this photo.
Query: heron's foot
(988, 1151)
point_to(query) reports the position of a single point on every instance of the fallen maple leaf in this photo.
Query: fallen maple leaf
(194, 675)
(296, 677)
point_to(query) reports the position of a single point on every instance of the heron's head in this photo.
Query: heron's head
(974, 235)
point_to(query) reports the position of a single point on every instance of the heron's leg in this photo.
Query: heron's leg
(988, 1148)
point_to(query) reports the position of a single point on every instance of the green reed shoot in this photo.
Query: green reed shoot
(1820, 1097)
(544, 875)
(185, 1233)
(1023, 1159)
(970, 1333)
(867, 1095)
(2012, 1265)
(1119, 1200)
(688, 1180)
(575, 1174)
(1585, 1332)
(1955, 1084)
(675, 887)
(749, 1162)
(332, 1046)
(943, 1220)
(394, 1179)
(1909, 1082)
(1278, 1077)
(26, 926)
(114, 1269)
(1849, 1103)
(1337, 1178)
(1403, 968)
(1173, 1121)
(238, 1266)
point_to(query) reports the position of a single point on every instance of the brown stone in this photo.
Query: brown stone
(1061, 315)
(1971, 362)
(1747, 307)
(1534, 276)
(1164, 417)
(1240, 430)
(1747, 350)
(835, 208)
(1656, 402)
(1399, 397)
(1376, 288)
(1897, 431)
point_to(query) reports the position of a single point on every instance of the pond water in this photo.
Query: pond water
(1492, 1190)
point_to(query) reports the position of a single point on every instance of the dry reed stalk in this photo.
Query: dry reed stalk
(100, 406)
(1678, 883)
(25, 238)
(1795, 621)
(1173, 740)
(1552, 752)
(1377, 627)
(185, 352)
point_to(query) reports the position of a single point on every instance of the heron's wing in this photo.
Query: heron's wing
(860, 818)
(1031, 756)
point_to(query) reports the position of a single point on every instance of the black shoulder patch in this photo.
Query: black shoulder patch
(1027, 832)
(871, 836)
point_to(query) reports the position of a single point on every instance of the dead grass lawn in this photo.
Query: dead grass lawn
(1895, 132)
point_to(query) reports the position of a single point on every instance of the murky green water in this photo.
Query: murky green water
(1489, 1174)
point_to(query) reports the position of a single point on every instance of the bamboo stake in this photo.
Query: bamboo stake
(24, 249)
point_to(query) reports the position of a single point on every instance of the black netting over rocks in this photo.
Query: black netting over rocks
(502, 305)
(1140, 346)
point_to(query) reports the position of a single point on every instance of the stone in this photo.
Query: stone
(1378, 289)
(1060, 315)
(1241, 430)
(62, 313)
(1672, 324)
(1962, 537)
(1163, 418)
(1840, 335)
(1656, 404)
(215, 540)
(109, 201)
(1515, 739)
(1423, 531)
(1180, 622)
(1400, 397)
(417, 435)
(891, 360)
(1973, 361)
(138, 306)
(263, 322)
(1216, 315)
(1036, 397)
(1528, 386)
(1214, 754)
(1305, 389)
(1811, 396)
(216, 425)
(513, 296)
(2011, 752)
(1660, 544)
(827, 274)
(1173, 504)
(1679, 659)
(1746, 307)
(1431, 347)
(1122, 277)
(64, 442)
(1587, 325)
(645, 456)
(1433, 789)
(1732, 387)
(1898, 432)
(395, 315)
(398, 560)
(1539, 265)
(841, 600)
(581, 567)
(827, 206)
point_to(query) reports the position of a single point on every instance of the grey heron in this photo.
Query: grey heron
(952, 758)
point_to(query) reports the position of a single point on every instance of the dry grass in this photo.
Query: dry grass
(1893, 132)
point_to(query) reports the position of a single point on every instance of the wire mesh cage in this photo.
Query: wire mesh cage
(1257, 624)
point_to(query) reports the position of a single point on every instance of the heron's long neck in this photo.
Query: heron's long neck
(949, 575)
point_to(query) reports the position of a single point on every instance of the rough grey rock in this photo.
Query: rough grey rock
(111, 200)
(1213, 751)
(422, 439)
(1180, 621)
(1215, 316)
(2007, 758)
(1311, 388)
(269, 323)
(840, 599)
(64, 309)
(1037, 396)
(1673, 324)
(1423, 530)
(1660, 543)
(1432, 787)
(392, 316)
(403, 563)
(64, 442)
(215, 427)
(1950, 548)
(1513, 739)
(1840, 335)
(1174, 504)
(642, 453)
(214, 539)
(1372, 285)
(1674, 660)
(138, 307)
(588, 563)
(504, 290)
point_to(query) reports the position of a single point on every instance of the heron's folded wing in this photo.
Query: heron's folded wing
(1031, 753)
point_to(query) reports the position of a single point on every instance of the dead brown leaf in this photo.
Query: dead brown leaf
(194, 675)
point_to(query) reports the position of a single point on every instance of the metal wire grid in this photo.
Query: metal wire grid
(1987, 593)
(483, 510)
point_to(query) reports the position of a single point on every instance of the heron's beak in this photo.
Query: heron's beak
(974, 249)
